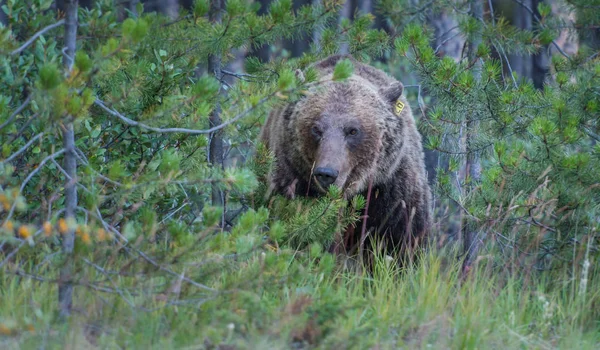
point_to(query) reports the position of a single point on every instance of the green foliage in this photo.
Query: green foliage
(49, 76)
(155, 264)
(343, 70)
(532, 143)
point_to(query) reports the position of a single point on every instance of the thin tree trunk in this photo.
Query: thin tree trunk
(133, 7)
(540, 64)
(447, 43)
(62, 4)
(65, 287)
(301, 44)
(471, 241)
(216, 139)
(522, 64)
(264, 51)
(318, 31)
(365, 6)
(345, 12)
(170, 8)
(3, 16)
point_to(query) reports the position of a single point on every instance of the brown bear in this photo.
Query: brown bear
(360, 135)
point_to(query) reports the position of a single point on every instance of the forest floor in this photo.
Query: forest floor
(314, 304)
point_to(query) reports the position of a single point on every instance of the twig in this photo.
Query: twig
(28, 178)
(128, 247)
(132, 122)
(12, 253)
(37, 35)
(540, 22)
(105, 273)
(16, 154)
(16, 112)
(363, 231)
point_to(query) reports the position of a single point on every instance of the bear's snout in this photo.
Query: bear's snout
(326, 176)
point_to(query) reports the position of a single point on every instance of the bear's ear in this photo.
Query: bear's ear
(393, 92)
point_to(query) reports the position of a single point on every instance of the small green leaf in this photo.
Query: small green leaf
(50, 76)
(287, 80)
(343, 70)
(201, 8)
(83, 61)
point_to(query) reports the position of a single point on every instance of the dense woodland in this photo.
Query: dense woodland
(132, 185)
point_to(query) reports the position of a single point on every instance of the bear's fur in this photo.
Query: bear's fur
(351, 127)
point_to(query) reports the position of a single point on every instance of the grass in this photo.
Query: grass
(287, 299)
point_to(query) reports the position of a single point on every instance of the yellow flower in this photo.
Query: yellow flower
(47, 228)
(4, 201)
(101, 234)
(24, 232)
(9, 226)
(5, 330)
(62, 226)
(85, 238)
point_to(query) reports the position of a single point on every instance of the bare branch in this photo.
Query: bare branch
(28, 178)
(132, 122)
(35, 36)
(119, 291)
(16, 112)
(15, 155)
(16, 250)
(540, 22)
(143, 255)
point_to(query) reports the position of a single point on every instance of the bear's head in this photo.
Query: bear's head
(340, 129)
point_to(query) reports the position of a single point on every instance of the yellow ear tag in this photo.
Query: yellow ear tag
(399, 107)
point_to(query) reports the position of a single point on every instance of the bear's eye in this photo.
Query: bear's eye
(352, 132)
(316, 132)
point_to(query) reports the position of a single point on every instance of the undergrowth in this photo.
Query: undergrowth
(304, 299)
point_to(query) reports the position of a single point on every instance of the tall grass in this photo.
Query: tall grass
(308, 300)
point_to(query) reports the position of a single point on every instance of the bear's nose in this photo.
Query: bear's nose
(326, 176)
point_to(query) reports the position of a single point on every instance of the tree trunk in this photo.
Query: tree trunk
(345, 12)
(133, 6)
(62, 4)
(170, 8)
(216, 138)
(167, 7)
(540, 62)
(264, 51)
(365, 6)
(187, 4)
(3, 16)
(65, 287)
(471, 239)
(301, 44)
(318, 31)
(521, 18)
(448, 44)
(534, 67)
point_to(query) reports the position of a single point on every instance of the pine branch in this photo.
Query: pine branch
(35, 36)
(132, 122)
(541, 25)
